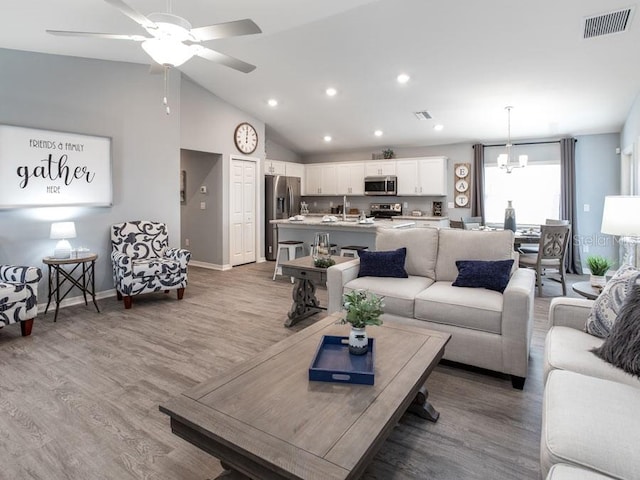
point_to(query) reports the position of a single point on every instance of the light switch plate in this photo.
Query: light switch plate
(203, 205)
(587, 207)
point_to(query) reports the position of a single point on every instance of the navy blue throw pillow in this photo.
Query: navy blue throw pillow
(383, 264)
(492, 275)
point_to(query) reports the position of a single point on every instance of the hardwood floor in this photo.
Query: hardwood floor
(79, 398)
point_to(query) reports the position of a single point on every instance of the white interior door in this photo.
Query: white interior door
(243, 211)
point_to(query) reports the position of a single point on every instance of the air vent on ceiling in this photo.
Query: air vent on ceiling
(424, 115)
(607, 23)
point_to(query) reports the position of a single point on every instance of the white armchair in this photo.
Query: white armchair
(144, 263)
(19, 296)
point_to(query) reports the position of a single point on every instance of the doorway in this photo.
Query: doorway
(243, 210)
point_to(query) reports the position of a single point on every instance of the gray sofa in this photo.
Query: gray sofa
(590, 421)
(489, 329)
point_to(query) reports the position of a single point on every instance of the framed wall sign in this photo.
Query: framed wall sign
(47, 168)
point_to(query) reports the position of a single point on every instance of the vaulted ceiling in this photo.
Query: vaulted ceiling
(467, 60)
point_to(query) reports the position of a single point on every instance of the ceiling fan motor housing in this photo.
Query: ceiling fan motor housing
(170, 26)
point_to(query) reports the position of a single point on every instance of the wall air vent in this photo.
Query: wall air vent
(607, 23)
(424, 115)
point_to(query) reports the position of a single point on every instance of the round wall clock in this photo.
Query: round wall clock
(246, 138)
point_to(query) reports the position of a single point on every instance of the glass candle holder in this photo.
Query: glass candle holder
(321, 247)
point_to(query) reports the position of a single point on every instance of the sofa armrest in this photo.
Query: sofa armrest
(569, 312)
(179, 254)
(19, 274)
(517, 320)
(337, 276)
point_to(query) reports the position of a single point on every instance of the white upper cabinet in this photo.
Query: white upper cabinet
(321, 179)
(380, 167)
(274, 167)
(422, 176)
(294, 169)
(350, 178)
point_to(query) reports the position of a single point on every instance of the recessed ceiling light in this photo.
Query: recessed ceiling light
(331, 91)
(438, 127)
(327, 138)
(403, 78)
(272, 102)
(378, 133)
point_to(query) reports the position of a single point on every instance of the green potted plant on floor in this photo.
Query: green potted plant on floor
(598, 266)
(362, 308)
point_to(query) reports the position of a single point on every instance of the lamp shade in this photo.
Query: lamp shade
(62, 230)
(621, 215)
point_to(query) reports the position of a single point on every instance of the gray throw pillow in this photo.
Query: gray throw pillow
(607, 306)
(622, 347)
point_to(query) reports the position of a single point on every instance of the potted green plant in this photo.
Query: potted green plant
(598, 266)
(362, 308)
(388, 153)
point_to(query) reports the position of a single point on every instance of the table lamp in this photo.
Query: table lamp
(61, 231)
(621, 217)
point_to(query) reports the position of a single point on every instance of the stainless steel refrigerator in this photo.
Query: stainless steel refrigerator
(282, 201)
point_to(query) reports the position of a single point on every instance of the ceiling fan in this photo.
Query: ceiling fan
(173, 41)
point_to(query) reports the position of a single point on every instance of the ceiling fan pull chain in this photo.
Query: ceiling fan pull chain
(165, 102)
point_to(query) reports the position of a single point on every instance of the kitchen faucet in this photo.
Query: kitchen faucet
(344, 208)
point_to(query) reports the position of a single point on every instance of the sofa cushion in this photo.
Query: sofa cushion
(591, 423)
(388, 263)
(455, 244)
(474, 308)
(493, 275)
(608, 304)
(562, 471)
(398, 293)
(569, 349)
(622, 347)
(422, 248)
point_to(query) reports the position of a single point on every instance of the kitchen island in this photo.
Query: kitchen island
(341, 232)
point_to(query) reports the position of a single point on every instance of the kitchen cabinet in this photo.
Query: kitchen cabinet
(275, 167)
(422, 176)
(294, 169)
(321, 179)
(350, 178)
(377, 168)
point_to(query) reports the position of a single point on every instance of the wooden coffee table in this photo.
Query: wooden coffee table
(266, 420)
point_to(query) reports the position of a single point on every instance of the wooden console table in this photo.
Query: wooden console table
(308, 276)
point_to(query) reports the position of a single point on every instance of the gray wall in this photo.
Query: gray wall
(112, 99)
(597, 175)
(631, 129)
(202, 228)
(275, 151)
(207, 124)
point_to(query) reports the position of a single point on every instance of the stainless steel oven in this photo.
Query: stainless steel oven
(383, 185)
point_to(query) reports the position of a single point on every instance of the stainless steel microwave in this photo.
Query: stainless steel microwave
(384, 185)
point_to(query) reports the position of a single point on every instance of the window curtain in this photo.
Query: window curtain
(568, 205)
(477, 200)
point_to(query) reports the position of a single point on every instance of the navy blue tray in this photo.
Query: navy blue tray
(333, 362)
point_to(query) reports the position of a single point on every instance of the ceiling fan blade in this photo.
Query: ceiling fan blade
(132, 14)
(227, 29)
(112, 36)
(223, 59)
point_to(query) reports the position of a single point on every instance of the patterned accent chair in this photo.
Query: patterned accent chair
(144, 263)
(19, 296)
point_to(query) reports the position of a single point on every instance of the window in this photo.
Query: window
(534, 190)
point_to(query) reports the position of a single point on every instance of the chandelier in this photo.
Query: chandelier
(504, 159)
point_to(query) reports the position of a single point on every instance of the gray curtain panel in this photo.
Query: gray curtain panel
(568, 205)
(477, 199)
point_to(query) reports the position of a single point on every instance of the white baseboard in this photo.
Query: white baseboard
(77, 300)
(210, 266)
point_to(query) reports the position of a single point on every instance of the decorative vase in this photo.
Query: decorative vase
(321, 249)
(510, 217)
(358, 341)
(598, 281)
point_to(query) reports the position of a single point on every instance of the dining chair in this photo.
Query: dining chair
(552, 249)
(470, 223)
(456, 224)
(533, 248)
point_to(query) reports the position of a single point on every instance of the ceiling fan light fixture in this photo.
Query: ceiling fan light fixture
(167, 51)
